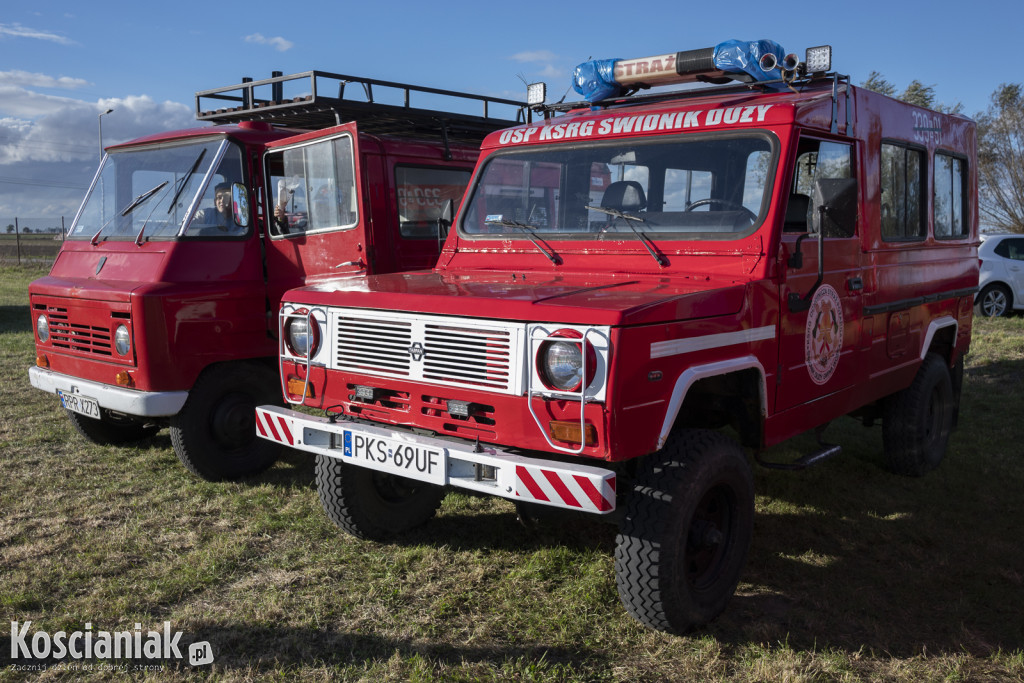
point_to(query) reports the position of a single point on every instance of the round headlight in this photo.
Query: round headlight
(563, 365)
(122, 340)
(302, 337)
(42, 328)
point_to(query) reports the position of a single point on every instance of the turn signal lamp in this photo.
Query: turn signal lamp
(42, 361)
(570, 432)
(298, 387)
(123, 379)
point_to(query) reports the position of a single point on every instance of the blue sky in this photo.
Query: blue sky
(62, 63)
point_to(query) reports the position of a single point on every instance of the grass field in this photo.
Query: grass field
(33, 249)
(854, 573)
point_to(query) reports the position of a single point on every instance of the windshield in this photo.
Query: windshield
(711, 186)
(149, 192)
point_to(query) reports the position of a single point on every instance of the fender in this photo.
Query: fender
(699, 372)
(933, 327)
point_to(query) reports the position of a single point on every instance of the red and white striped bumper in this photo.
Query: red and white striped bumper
(443, 462)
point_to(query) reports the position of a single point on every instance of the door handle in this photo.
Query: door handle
(855, 284)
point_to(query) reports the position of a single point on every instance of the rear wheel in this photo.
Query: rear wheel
(373, 505)
(686, 531)
(214, 434)
(994, 301)
(112, 428)
(917, 421)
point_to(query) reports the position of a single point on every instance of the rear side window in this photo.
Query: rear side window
(902, 178)
(422, 194)
(950, 201)
(1012, 248)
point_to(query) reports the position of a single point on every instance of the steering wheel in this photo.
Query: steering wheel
(726, 203)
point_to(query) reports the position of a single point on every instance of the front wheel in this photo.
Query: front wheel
(686, 531)
(373, 505)
(917, 421)
(111, 429)
(214, 435)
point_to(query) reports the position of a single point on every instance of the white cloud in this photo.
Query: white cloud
(534, 56)
(35, 80)
(277, 42)
(19, 31)
(49, 146)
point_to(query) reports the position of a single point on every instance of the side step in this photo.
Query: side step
(826, 452)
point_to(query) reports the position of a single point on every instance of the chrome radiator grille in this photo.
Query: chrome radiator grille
(465, 352)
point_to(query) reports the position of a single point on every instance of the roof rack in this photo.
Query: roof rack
(388, 110)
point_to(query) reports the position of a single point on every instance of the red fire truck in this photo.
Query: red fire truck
(638, 288)
(161, 306)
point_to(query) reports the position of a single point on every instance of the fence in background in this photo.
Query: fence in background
(31, 240)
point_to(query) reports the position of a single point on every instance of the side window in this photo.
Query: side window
(312, 187)
(422, 193)
(902, 192)
(950, 204)
(816, 159)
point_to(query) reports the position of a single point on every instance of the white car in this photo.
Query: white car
(1001, 284)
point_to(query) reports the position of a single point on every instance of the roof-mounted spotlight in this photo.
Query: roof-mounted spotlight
(536, 93)
(818, 59)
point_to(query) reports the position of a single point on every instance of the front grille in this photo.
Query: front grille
(66, 333)
(443, 350)
(467, 356)
(373, 346)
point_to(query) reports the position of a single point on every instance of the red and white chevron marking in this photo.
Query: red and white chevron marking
(274, 427)
(591, 493)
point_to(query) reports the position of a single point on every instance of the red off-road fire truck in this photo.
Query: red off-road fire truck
(636, 290)
(161, 306)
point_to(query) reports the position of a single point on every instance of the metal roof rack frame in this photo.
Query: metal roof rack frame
(323, 102)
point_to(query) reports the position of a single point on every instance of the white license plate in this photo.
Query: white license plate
(416, 461)
(82, 405)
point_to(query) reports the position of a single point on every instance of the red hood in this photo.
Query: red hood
(570, 298)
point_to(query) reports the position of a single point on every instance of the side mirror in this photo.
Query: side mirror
(240, 204)
(834, 207)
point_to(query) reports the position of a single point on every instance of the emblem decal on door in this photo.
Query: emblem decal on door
(823, 339)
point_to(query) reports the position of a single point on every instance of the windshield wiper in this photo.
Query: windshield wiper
(629, 218)
(141, 198)
(185, 179)
(132, 205)
(531, 235)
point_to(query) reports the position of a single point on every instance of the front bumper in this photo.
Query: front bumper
(117, 399)
(444, 462)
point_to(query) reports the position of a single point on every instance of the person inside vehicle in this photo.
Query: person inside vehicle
(219, 220)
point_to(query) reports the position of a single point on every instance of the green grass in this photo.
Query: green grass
(854, 573)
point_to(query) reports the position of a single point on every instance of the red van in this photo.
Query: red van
(160, 308)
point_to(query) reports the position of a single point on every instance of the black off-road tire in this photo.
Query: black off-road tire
(684, 538)
(917, 421)
(995, 301)
(373, 505)
(214, 434)
(111, 429)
